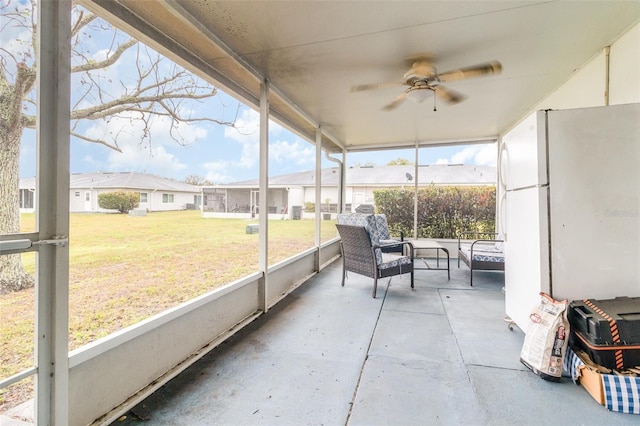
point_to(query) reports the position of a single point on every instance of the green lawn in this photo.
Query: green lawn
(124, 269)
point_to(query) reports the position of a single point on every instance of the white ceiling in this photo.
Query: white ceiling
(313, 52)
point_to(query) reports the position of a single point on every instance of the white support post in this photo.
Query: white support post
(263, 222)
(318, 239)
(343, 182)
(52, 264)
(416, 178)
(500, 193)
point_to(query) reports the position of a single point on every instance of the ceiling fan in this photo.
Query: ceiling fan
(424, 80)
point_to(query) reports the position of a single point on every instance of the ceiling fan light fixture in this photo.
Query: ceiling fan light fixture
(419, 94)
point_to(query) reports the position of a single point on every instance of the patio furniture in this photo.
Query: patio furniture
(422, 245)
(365, 208)
(362, 254)
(376, 224)
(482, 254)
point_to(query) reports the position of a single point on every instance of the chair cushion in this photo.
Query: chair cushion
(383, 227)
(383, 242)
(390, 260)
(482, 252)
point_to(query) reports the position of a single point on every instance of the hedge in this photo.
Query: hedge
(443, 211)
(122, 201)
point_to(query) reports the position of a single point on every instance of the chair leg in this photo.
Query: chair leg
(411, 279)
(471, 277)
(375, 286)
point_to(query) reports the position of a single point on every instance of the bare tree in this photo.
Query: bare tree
(158, 88)
(197, 180)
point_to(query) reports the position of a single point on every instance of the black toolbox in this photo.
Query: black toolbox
(607, 330)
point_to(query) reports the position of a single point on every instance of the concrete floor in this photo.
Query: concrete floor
(440, 354)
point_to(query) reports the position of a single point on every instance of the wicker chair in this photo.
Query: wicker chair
(376, 225)
(362, 254)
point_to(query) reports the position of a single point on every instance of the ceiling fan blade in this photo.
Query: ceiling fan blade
(449, 95)
(488, 68)
(375, 86)
(397, 101)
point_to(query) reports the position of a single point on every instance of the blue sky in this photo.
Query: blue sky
(222, 154)
(218, 153)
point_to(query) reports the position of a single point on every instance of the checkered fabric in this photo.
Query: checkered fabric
(392, 260)
(571, 364)
(383, 228)
(622, 393)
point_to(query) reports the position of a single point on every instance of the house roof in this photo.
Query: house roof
(123, 180)
(437, 174)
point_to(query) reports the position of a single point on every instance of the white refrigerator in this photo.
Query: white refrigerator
(571, 206)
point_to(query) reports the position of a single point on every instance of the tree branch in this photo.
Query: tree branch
(82, 22)
(133, 102)
(110, 60)
(98, 141)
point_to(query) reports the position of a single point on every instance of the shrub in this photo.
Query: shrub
(309, 207)
(443, 211)
(120, 200)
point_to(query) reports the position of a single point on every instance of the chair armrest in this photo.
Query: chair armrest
(484, 241)
(398, 243)
(470, 233)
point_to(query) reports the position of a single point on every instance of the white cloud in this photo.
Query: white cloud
(482, 155)
(488, 155)
(153, 157)
(247, 134)
(296, 152)
(101, 55)
(89, 160)
(133, 158)
(217, 171)
(16, 46)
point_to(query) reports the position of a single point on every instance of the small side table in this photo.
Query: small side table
(420, 245)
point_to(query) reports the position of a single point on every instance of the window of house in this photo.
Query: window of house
(143, 197)
(167, 198)
(77, 193)
(26, 199)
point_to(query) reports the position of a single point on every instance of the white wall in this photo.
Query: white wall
(154, 203)
(180, 201)
(296, 197)
(625, 68)
(586, 87)
(327, 192)
(76, 202)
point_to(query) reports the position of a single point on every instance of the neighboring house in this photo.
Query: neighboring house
(156, 193)
(289, 193)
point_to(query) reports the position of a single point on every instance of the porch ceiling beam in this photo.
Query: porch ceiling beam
(122, 17)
